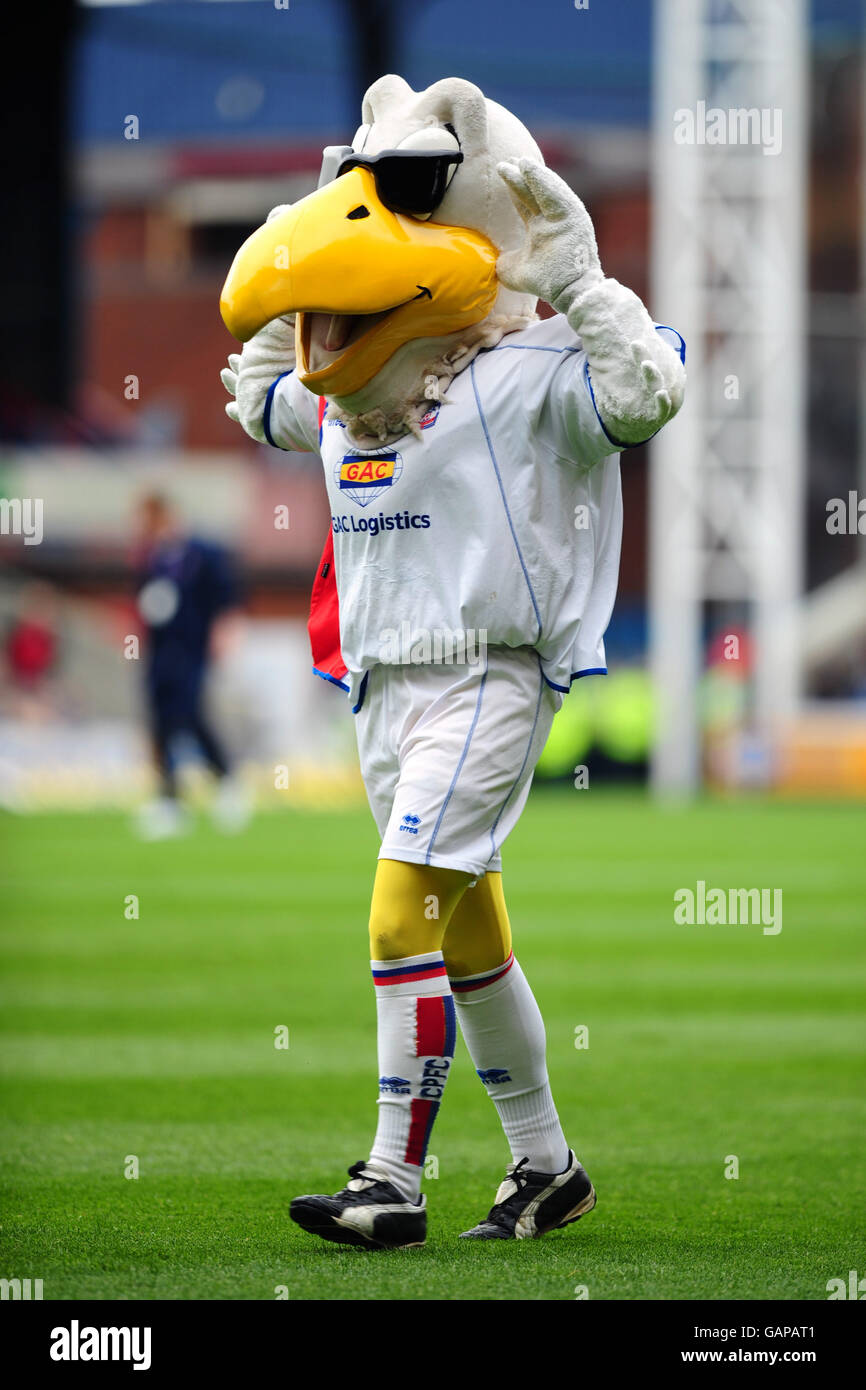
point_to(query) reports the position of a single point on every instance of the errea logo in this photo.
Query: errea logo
(394, 1085)
(410, 824)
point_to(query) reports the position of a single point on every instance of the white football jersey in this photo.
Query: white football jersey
(504, 520)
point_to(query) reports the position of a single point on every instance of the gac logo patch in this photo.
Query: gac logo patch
(366, 477)
(430, 417)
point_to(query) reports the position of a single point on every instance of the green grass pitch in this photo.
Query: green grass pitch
(154, 1038)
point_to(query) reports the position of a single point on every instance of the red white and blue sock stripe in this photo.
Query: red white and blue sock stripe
(468, 984)
(417, 1035)
(424, 975)
(435, 1037)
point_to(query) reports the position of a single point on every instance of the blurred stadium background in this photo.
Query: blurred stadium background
(161, 133)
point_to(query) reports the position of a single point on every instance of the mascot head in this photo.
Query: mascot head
(390, 266)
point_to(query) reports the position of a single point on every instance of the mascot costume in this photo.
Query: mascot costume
(470, 457)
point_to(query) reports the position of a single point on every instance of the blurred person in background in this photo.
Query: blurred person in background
(188, 602)
(31, 649)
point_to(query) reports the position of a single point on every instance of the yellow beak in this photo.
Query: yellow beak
(341, 252)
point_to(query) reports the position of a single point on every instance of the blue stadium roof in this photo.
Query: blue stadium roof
(197, 70)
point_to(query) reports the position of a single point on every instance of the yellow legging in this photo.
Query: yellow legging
(417, 908)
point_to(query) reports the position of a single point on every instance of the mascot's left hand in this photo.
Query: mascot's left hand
(559, 257)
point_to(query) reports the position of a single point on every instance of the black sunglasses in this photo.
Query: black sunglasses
(409, 181)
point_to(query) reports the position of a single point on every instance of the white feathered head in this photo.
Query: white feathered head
(390, 266)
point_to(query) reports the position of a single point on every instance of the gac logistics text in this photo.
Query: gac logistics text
(401, 521)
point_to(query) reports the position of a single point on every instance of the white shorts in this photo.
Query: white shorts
(448, 753)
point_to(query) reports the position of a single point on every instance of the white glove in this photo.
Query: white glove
(251, 371)
(560, 253)
(638, 380)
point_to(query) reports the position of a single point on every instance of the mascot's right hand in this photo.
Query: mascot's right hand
(559, 258)
(638, 378)
(251, 371)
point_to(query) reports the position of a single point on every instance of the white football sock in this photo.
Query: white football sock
(504, 1033)
(417, 1033)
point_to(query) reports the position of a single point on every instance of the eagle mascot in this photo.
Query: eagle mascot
(470, 454)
